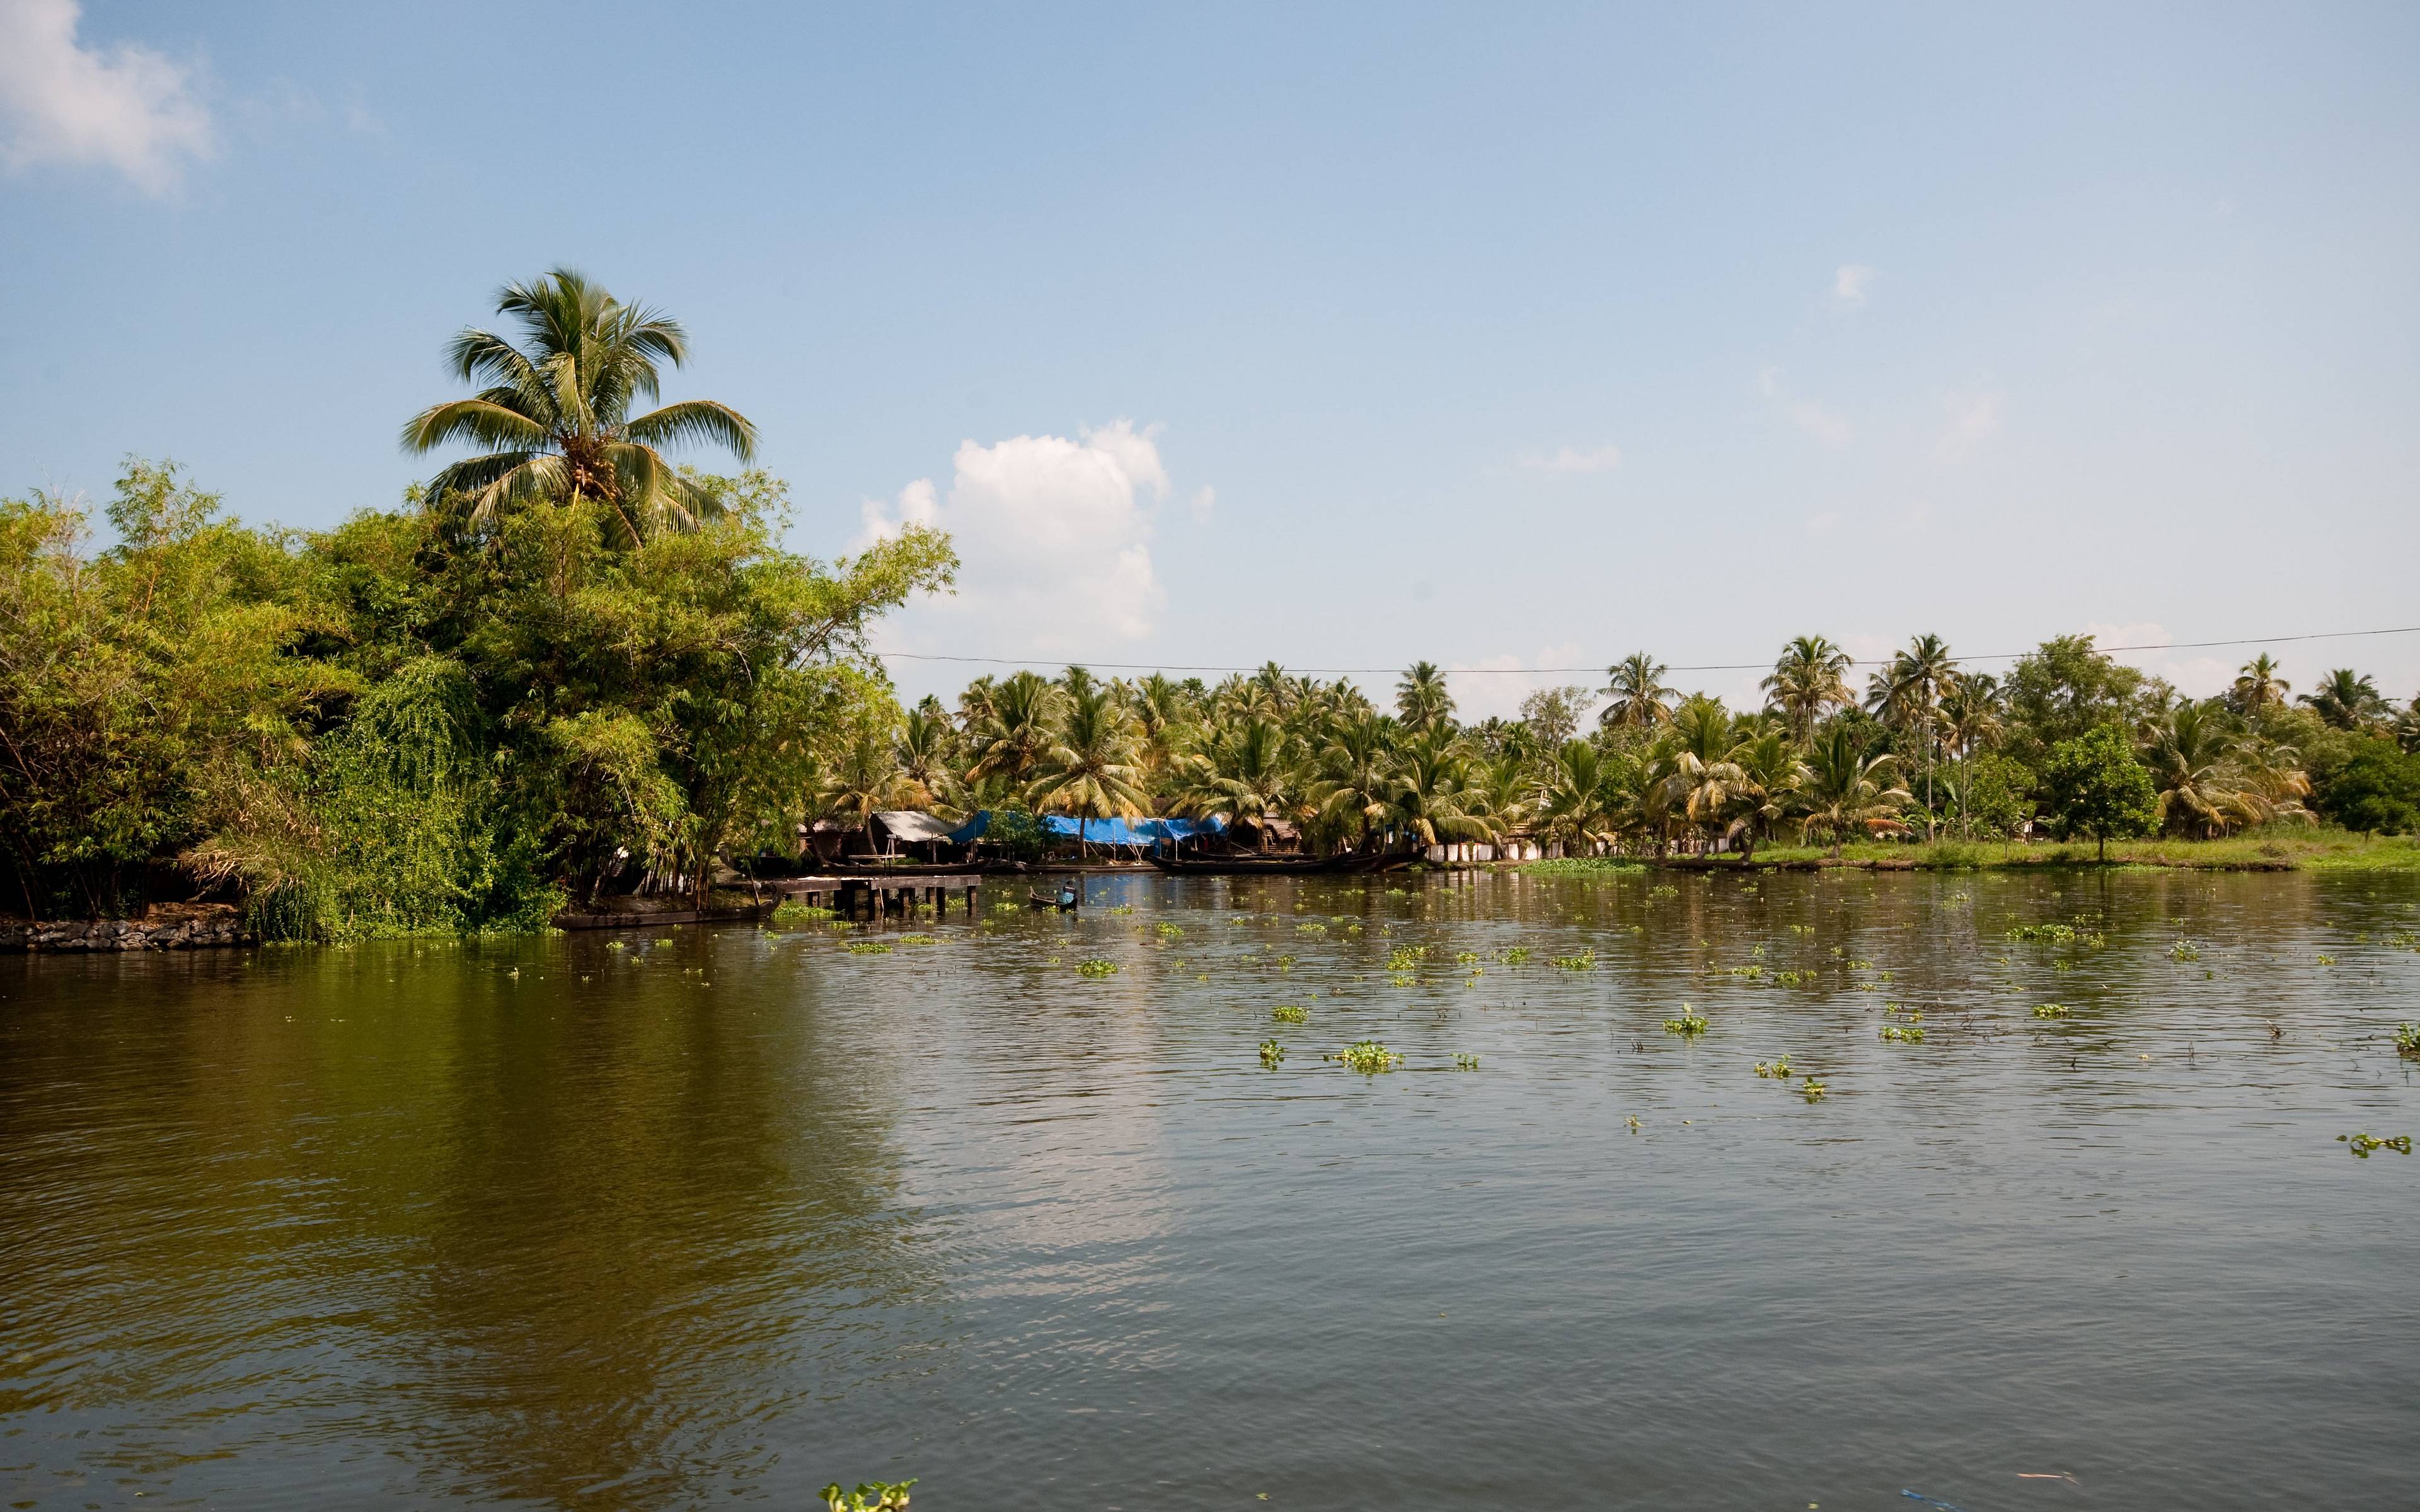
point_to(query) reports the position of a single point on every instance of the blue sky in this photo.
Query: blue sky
(1507, 337)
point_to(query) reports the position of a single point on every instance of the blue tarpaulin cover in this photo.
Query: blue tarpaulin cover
(1102, 831)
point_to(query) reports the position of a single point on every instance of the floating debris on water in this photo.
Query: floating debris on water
(1812, 1089)
(2362, 1144)
(1289, 1013)
(2050, 1010)
(1096, 968)
(1776, 1071)
(1584, 961)
(1369, 1057)
(1688, 1025)
(1272, 1054)
(2055, 934)
(2184, 951)
(1902, 1034)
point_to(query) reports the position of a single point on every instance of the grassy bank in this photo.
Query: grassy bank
(2277, 850)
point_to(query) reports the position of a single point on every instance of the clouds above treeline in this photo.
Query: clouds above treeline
(124, 107)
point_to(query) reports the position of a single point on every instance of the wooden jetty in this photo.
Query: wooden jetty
(877, 896)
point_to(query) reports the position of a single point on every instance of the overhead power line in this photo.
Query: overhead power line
(1597, 671)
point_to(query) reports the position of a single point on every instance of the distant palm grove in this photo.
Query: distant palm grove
(2067, 743)
(566, 662)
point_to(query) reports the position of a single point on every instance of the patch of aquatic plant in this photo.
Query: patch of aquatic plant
(1775, 1070)
(2184, 951)
(1812, 1089)
(1369, 1057)
(615, 945)
(2407, 1040)
(2050, 1010)
(1802, 929)
(1285, 963)
(2053, 934)
(1750, 970)
(1122, 908)
(1170, 932)
(1097, 968)
(791, 911)
(870, 1496)
(1902, 1034)
(1404, 979)
(1310, 929)
(920, 939)
(1690, 1025)
(2362, 1144)
(1289, 1013)
(1584, 961)
(1466, 958)
(1792, 979)
(1406, 957)
(1516, 955)
(1272, 1054)
(869, 947)
(1465, 1062)
(2403, 939)
(1664, 890)
(2327, 960)
(1006, 908)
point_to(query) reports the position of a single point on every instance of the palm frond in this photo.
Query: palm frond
(481, 421)
(696, 421)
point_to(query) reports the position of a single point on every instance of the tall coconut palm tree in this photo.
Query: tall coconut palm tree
(926, 745)
(2191, 754)
(1015, 729)
(2406, 726)
(1586, 795)
(2347, 700)
(1702, 779)
(555, 413)
(1810, 677)
(1243, 772)
(1091, 770)
(2258, 687)
(1422, 701)
(1847, 791)
(1906, 694)
(1770, 774)
(1350, 778)
(1426, 798)
(1970, 721)
(1637, 696)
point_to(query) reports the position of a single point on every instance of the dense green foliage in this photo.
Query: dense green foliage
(2093, 786)
(525, 684)
(2070, 743)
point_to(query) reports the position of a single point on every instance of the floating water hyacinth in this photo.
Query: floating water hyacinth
(2184, 951)
(794, 912)
(1122, 908)
(1517, 955)
(920, 939)
(870, 1496)
(2050, 1010)
(1369, 1057)
(1902, 1034)
(1097, 968)
(1170, 932)
(2327, 960)
(1584, 961)
(1778, 1071)
(2407, 1040)
(1289, 1013)
(1663, 890)
(1792, 979)
(1466, 958)
(2055, 934)
(869, 947)
(1272, 1054)
(2362, 1144)
(1406, 957)
(1465, 1062)
(1812, 1089)
(1688, 1025)
(1310, 929)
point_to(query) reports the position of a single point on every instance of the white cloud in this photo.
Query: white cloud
(1495, 685)
(127, 108)
(1826, 425)
(1575, 459)
(1055, 538)
(1849, 283)
(1973, 419)
(2202, 677)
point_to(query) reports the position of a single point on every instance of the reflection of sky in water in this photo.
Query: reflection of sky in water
(745, 1213)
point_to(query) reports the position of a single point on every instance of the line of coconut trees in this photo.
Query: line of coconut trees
(1923, 748)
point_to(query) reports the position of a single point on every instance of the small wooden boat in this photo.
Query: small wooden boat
(1064, 900)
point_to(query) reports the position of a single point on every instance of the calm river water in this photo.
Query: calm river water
(718, 1217)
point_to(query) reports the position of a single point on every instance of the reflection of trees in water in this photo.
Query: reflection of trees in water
(532, 1235)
